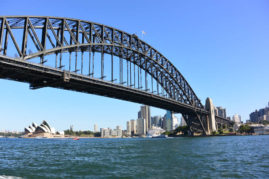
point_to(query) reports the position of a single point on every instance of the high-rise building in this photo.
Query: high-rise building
(237, 118)
(263, 118)
(168, 121)
(133, 127)
(220, 111)
(156, 121)
(260, 115)
(141, 126)
(174, 122)
(145, 114)
(128, 128)
(183, 122)
(107, 132)
(118, 132)
(95, 128)
(254, 116)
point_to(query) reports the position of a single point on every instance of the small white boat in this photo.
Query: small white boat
(160, 136)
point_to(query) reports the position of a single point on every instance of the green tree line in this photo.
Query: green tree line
(82, 133)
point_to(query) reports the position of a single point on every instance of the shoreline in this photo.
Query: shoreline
(86, 137)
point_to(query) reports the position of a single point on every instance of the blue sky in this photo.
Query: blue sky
(221, 48)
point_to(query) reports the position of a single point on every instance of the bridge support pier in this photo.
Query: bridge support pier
(211, 121)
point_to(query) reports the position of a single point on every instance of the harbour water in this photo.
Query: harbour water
(185, 157)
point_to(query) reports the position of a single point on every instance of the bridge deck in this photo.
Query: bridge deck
(41, 76)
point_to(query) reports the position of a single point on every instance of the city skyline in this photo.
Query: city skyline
(222, 56)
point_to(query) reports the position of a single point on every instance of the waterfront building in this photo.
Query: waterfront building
(145, 114)
(261, 129)
(108, 133)
(128, 128)
(43, 129)
(114, 133)
(118, 131)
(133, 127)
(141, 126)
(105, 132)
(95, 128)
(260, 115)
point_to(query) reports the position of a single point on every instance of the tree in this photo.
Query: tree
(265, 122)
(245, 129)
(183, 129)
(220, 131)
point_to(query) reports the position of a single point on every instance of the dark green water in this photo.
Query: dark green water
(199, 157)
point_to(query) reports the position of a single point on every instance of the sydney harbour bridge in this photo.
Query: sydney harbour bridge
(94, 58)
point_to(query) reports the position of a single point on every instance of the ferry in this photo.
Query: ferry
(160, 136)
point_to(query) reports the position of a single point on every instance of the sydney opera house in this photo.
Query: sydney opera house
(43, 130)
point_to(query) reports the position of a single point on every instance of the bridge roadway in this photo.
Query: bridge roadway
(39, 76)
(43, 76)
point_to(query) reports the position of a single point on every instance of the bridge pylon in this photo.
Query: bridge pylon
(211, 121)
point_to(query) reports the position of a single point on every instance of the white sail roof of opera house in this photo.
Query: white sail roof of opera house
(42, 128)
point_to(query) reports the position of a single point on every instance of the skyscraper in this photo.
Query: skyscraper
(260, 115)
(220, 111)
(141, 126)
(168, 121)
(128, 127)
(95, 128)
(183, 122)
(156, 121)
(133, 127)
(174, 122)
(145, 114)
(237, 118)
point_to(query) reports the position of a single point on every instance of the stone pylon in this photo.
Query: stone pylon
(211, 118)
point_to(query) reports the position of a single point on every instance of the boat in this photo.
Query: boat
(76, 138)
(160, 136)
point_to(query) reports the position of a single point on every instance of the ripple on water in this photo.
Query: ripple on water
(199, 157)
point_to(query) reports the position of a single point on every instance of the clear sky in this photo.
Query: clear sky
(221, 48)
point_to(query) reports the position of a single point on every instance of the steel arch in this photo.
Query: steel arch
(89, 36)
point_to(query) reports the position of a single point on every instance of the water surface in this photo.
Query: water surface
(189, 157)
